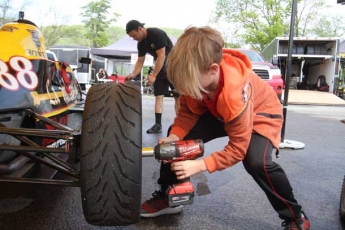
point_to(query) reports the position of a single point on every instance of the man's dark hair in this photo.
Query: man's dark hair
(133, 25)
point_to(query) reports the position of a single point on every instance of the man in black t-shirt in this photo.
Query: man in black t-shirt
(155, 42)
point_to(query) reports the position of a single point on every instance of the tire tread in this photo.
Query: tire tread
(111, 155)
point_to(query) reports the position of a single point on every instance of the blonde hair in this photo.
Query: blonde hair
(192, 55)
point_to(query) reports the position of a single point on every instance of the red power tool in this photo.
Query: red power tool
(181, 193)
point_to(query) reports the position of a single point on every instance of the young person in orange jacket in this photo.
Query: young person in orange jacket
(222, 96)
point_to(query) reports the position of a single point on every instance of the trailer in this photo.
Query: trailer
(72, 54)
(314, 61)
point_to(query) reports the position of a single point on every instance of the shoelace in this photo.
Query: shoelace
(292, 224)
(156, 126)
(155, 196)
(295, 224)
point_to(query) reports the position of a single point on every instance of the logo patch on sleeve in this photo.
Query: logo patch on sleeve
(244, 93)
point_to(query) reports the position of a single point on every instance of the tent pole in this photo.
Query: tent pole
(289, 143)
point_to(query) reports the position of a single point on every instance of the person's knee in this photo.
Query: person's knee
(159, 99)
(254, 166)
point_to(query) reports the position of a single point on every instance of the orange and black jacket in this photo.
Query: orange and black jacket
(247, 105)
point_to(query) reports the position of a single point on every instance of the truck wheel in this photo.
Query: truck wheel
(111, 155)
(342, 203)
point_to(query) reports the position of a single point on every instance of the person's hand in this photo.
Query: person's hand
(169, 139)
(151, 79)
(184, 169)
(129, 77)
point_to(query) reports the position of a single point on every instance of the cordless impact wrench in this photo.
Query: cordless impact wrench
(181, 193)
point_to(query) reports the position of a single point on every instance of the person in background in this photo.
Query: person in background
(150, 70)
(155, 42)
(102, 74)
(114, 76)
(222, 96)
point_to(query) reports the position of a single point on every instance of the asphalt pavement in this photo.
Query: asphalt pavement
(229, 199)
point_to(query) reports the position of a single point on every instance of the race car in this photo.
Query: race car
(47, 126)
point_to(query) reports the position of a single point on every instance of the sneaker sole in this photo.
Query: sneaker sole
(165, 211)
(154, 131)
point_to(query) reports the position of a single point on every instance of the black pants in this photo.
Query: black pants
(258, 163)
(162, 84)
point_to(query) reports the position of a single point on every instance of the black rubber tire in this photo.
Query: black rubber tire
(321, 81)
(111, 155)
(342, 203)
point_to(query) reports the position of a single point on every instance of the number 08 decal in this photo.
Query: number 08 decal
(24, 74)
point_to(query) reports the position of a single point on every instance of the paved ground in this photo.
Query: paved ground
(224, 200)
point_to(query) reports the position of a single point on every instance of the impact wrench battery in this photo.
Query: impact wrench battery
(181, 193)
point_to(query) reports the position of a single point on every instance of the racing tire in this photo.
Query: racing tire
(321, 80)
(342, 203)
(111, 154)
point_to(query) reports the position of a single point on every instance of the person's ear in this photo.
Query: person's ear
(214, 68)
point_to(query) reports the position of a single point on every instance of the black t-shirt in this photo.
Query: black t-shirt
(100, 75)
(155, 40)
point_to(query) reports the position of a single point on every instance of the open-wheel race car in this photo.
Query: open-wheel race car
(48, 128)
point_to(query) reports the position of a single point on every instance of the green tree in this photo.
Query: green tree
(57, 30)
(96, 21)
(9, 10)
(173, 32)
(75, 36)
(308, 12)
(257, 23)
(64, 35)
(5, 7)
(254, 22)
(329, 26)
(115, 33)
(52, 34)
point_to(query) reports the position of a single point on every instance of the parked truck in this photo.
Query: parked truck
(314, 61)
(269, 72)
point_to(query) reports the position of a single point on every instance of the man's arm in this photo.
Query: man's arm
(159, 61)
(137, 68)
(97, 76)
(158, 65)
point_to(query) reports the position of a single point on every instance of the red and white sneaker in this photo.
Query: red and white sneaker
(301, 223)
(157, 206)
